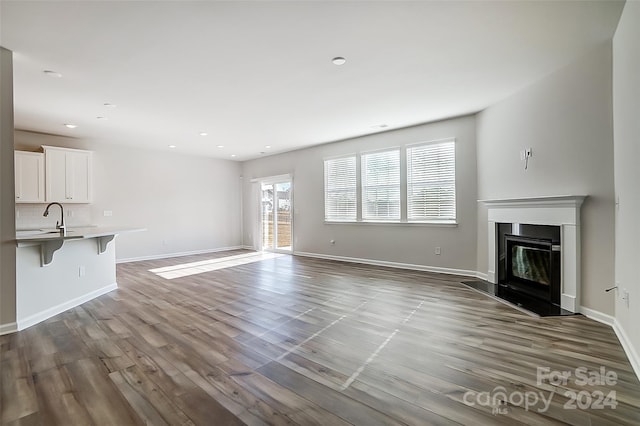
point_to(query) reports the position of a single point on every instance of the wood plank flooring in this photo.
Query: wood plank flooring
(291, 340)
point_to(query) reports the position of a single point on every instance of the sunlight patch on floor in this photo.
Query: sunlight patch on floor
(193, 268)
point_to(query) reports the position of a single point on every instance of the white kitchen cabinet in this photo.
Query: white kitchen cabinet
(69, 175)
(29, 177)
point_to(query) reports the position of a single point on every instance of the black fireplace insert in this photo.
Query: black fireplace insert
(532, 267)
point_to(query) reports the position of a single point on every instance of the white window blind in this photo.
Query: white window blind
(340, 189)
(381, 185)
(431, 182)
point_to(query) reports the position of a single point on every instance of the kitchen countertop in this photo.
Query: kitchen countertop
(50, 240)
(43, 235)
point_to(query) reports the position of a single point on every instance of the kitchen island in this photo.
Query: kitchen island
(56, 272)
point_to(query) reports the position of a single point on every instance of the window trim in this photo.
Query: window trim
(455, 180)
(362, 186)
(324, 172)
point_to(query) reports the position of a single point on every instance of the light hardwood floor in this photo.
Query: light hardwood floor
(290, 340)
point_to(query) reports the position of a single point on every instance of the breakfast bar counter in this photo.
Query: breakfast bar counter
(56, 272)
(51, 241)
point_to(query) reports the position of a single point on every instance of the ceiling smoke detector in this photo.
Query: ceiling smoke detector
(70, 126)
(338, 60)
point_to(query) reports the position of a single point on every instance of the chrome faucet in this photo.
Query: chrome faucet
(59, 225)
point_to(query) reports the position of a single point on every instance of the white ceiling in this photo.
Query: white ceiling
(252, 74)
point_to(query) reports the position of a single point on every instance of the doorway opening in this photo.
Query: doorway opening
(276, 216)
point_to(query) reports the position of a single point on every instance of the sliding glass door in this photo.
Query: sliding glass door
(276, 210)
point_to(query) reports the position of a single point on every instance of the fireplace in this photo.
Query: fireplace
(559, 212)
(532, 267)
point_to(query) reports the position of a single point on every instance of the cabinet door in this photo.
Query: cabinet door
(78, 177)
(29, 177)
(56, 170)
(69, 175)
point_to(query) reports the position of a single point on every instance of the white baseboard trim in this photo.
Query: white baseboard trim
(597, 316)
(482, 276)
(629, 350)
(248, 248)
(388, 264)
(180, 254)
(632, 354)
(58, 309)
(8, 328)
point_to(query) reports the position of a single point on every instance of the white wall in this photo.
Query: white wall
(7, 197)
(409, 244)
(45, 291)
(186, 203)
(566, 118)
(626, 115)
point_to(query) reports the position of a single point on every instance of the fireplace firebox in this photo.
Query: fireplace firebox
(532, 267)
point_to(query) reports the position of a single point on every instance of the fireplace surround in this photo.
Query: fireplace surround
(560, 211)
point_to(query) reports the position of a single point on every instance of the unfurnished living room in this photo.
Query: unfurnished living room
(319, 212)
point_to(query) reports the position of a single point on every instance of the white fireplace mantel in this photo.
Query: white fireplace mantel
(562, 211)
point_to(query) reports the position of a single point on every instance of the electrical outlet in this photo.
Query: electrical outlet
(438, 251)
(107, 213)
(528, 153)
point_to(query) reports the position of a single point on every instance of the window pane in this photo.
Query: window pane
(381, 185)
(340, 189)
(431, 182)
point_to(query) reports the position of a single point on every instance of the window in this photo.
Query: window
(431, 182)
(410, 184)
(340, 189)
(381, 185)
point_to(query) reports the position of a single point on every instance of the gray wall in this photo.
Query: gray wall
(402, 243)
(626, 114)
(566, 119)
(7, 196)
(186, 203)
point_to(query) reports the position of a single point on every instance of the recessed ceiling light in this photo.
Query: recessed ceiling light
(172, 146)
(220, 146)
(101, 118)
(203, 133)
(233, 155)
(338, 60)
(108, 105)
(54, 74)
(380, 126)
(268, 146)
(70, 126)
